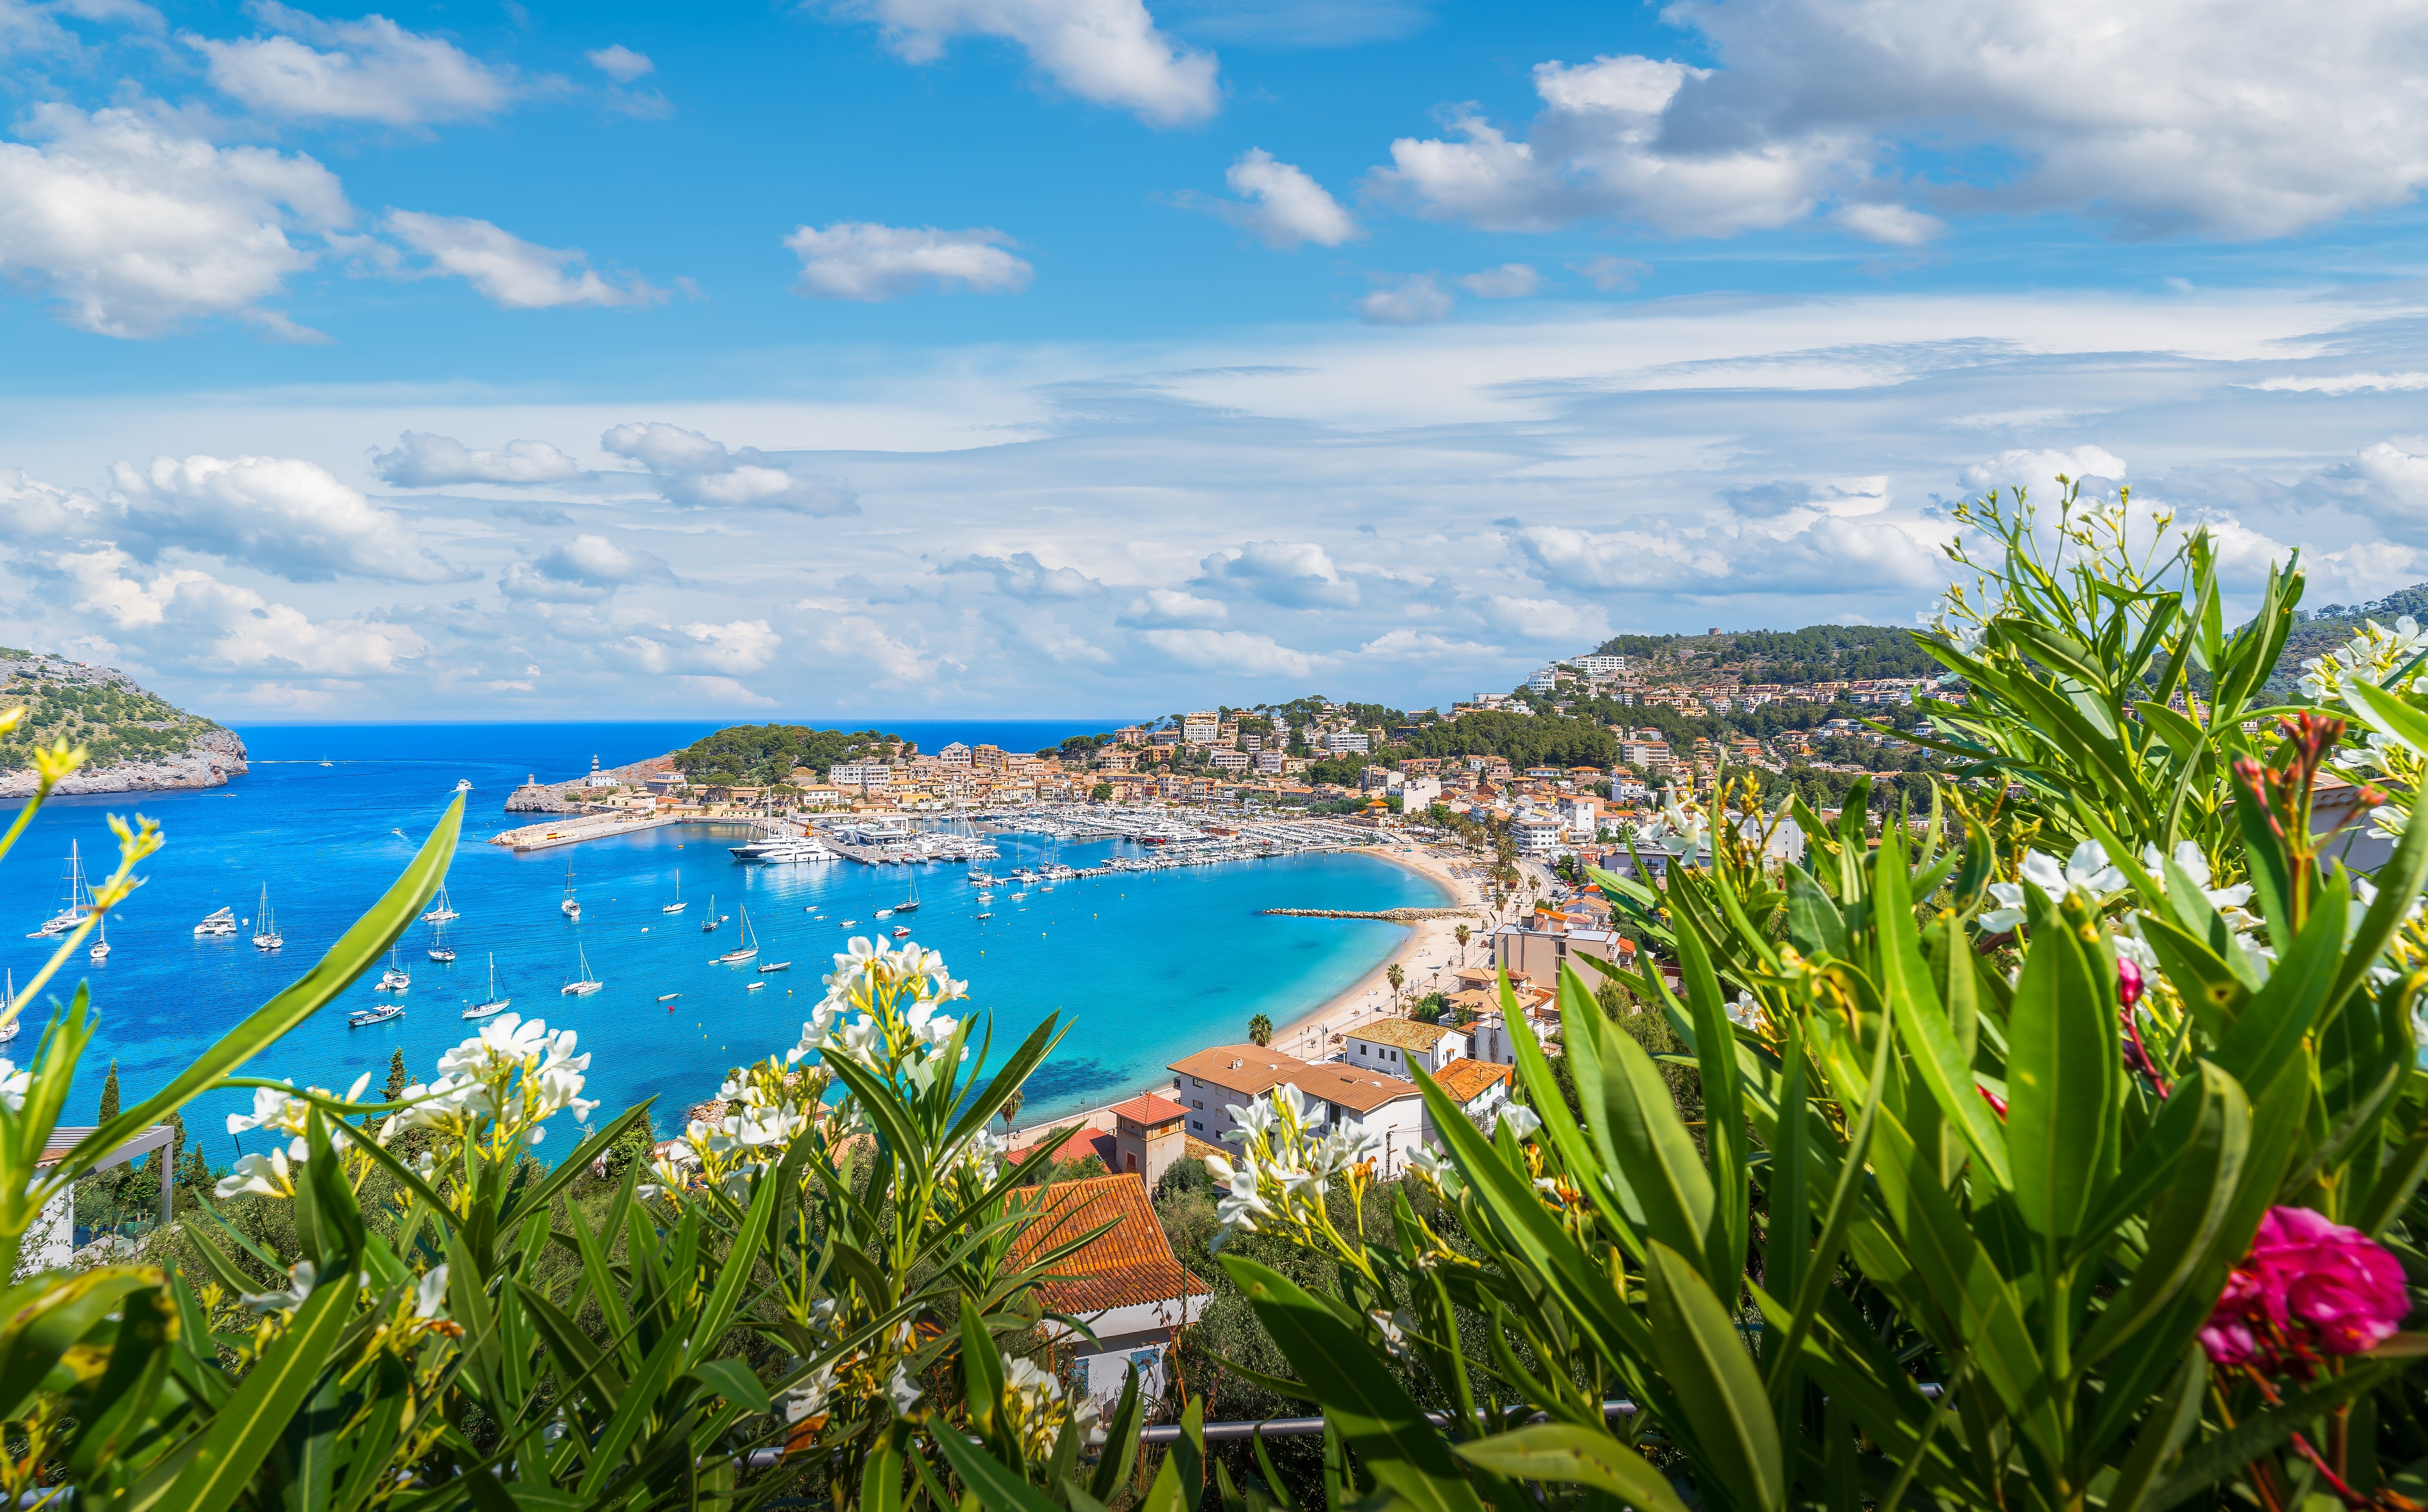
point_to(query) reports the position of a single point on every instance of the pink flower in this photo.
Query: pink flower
(2129, 981)
(2309, 1287)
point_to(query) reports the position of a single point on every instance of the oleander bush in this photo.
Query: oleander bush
(2057, 1146)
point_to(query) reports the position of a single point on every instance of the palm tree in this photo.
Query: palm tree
(1260, 1029)
(1460, 935)
(1011, 1111)
(1395, 975)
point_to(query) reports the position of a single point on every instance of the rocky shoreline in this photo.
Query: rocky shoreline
(535, 796)
(215, 756)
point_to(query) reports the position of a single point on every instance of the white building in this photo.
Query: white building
(1419, 792)
(1536, 836)
(1599, 666)
(869, 776)
(1269, 762)
(1544, 680)
(1200, 729)
(1230, 761)
(955, 754)
(1391, 1046)
(1210, 1083)
(1343, 742)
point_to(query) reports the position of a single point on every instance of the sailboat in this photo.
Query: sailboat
(396, 978)
(749, 945)
(100, 950)
(910, 904)
(571, 907)
(223, 922)
(264, 929)
(582, 984)
(79, 892)
(8, 1031)
(439, 948)
(445, 909)
(711, 922)
(678, 905)
(492, 1005)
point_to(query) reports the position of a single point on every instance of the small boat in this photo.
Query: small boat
(668, 997)
(378, 1013)
(571, 907)
(582, 984)
(987, 914)
(708, 924)
(444, 911)
(678, 905)
(399, 833)
(885, 913)
(328, 764)
(394, 979)
(775, 966)
(462, 784)
(849, 923)
(749, 946)
(492, 1005)
(100, 950)
(1017, 896)
(8, 1031)
(223, 922)
(910, 904)
(754, 986)
(439, 948)
(901, 931)
(265, 929)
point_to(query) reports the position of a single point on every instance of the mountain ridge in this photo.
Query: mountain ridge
(138, 741)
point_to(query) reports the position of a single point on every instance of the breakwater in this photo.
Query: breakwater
(1385, 915)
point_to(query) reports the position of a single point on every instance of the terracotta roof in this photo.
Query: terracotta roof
(1400, 1033)
(1467, 1080)
(1150, 1109)
(1081, 1145)
(1248, 1069)
(1131, 1263)
(1361, 1091)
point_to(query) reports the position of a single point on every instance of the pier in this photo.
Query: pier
(1385, 915)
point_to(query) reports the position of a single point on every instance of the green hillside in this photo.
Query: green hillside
(93, 706)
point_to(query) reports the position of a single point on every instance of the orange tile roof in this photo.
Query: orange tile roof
(1467, 1080)
(1129, 1265)
(1150, 1109)
(1082, 1143)
(1257, 1070)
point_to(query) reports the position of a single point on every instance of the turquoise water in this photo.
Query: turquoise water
(1145, 968)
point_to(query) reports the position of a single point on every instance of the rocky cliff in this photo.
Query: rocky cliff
(138, 741)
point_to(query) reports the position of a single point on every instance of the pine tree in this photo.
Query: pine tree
(109, 1095)
(397, 1078)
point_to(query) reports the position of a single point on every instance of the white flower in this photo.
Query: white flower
(1254, 1119)
(1744, 1012)
(2088, 870)
(299, 1279)
(431, 1294)
(1219, 1168)
(1522, 1120)
(14, 1084)
(262, 1176)
(1395, 1338)
(2228, 901)
(902, 1389)
(271, 1108)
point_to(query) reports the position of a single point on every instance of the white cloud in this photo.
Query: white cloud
(1612, 276)
(585, 569)
(1895, 225)
(279, 514)
(1404, 644)
(1417, 299)
(862, 640)
(2401, 475)
(861, 260)
(1020, 575)
(1107, 51)
(1233, 651)
(1170, 607)
(2338, 384)
(2240, 120)
(192, 620)
(621, 63)
(1544, 619)
(2039, 470)
(366, 70)
(743, 646)
(1511, 280)
(34, 512)
(517, 274)
(1294, 574)
(699, 473)
(1286, 206)
(422, 460)
(133, 227)
(1819, 555)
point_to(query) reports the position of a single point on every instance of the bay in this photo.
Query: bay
(1144, 968)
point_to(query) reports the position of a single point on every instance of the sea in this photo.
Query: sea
(1142, 968)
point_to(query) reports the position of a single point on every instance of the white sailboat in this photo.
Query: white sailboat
(8, 1031)
(396, 978)
(750, 943)
(584, 984)
(571, 907)
(709, 923)
(445, 909)
(264, 929)
(678, 905)
(492, 1005)
(100, 950)
(439, 948)
(79, 896)
(910, 904)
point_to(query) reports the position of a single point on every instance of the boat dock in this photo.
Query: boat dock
(574, 830)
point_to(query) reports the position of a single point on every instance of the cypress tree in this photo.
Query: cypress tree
(109, 1095)
(396, 1079)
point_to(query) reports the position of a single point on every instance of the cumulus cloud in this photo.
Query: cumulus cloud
(1107, 51)
(517, 274)
(1235, 651)
(1417, 299)
(699, 473)
(1283, 204)
(194, 620)
(1422, 645)
(743, 646)
(1020, 575)
(1170, 607)
(2024, 468)
(279, 514)
(1820, 555)
(621, 63)
(859, 638)
(370, 70)
(422, 460)
(584, 569)
(1511, 280)
(861, 260)
(2338, 385)
(2400, 475)
(1294, 574)
(132, 227)
(32, 511)
(2238, 121)
(1544, 619)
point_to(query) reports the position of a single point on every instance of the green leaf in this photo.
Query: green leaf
(1724, 1239)
(242, 1432)
(2214, 1459)
(1568, 1454)
(41, 1319)
(1814, 926)
(2268, 1038)
(1655, 1159)
(2062, 1073)
(1359, 1392)
(1180, 1484)
(2197, 1203)
(733, 1380)
(996, 1486)
(1922, 1022)
(1705, 1361)
(2178, 1414)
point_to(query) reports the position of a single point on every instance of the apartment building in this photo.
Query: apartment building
(1200, 729)
(1347, 742)
(1536, 836)
(868, 777)
(1537, 949)
(1340, 1096)
(1391, 1046)
(1599, 666)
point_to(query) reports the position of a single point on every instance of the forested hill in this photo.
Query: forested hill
(762, 755)
(134, 740)
(1816, 653)
(2328, 626)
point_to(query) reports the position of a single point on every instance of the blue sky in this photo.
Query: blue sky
(1061, 355)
